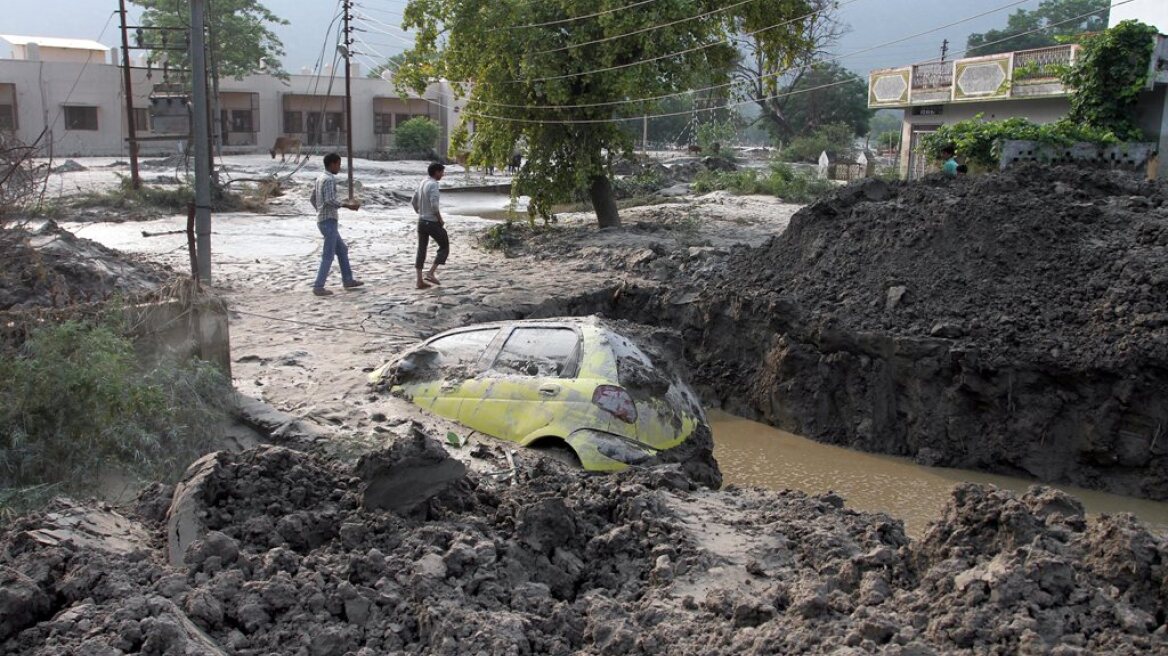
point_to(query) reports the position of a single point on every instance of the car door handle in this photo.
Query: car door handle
(549, 390)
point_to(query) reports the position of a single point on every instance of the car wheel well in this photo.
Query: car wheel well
(556, 447)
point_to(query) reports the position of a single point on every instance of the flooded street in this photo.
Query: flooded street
(754, 454)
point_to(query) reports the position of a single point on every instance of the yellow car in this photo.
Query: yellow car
(539, 382)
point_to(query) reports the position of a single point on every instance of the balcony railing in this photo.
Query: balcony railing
(1042, 63)
(1023, 74)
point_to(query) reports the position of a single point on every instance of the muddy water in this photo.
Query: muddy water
(753, 454)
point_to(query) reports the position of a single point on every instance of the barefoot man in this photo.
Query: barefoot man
(430, 224)
(324, 199)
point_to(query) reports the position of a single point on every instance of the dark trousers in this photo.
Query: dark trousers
(426, 230)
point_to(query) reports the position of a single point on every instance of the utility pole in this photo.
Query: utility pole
(202, 134)
(135, 179)
(944, 49)
(348, 45)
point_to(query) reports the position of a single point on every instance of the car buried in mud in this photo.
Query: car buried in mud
(549, 382)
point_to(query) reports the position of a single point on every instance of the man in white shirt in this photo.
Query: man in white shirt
(324, 199)
(430, 224)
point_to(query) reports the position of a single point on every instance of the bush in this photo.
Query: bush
(714, 137)
(979, 141)
(837, 139)
(779, 180)
(417, 135)
(75, 402)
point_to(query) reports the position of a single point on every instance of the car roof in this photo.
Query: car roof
(550, 322)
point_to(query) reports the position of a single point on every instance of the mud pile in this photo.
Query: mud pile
(46, 266)
(1063, 266)
(1013, 323)
(291, 561)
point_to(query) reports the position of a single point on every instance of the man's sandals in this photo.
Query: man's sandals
(431, 278)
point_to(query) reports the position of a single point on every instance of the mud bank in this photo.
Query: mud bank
(1011, 323)
(277, 551)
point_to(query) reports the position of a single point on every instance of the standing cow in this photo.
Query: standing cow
(285, 145)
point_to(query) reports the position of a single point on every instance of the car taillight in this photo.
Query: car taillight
(616, 401)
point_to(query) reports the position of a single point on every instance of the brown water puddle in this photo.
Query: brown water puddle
(753, 454)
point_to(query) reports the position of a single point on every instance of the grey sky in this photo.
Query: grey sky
(873, 23)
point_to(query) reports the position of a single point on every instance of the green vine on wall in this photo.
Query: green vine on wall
(1108, 77)
(978, 141)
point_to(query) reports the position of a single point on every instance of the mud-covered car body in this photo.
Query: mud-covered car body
(575, 380)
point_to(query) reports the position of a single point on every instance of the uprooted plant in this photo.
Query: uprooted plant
(77, 403)
(21, 179)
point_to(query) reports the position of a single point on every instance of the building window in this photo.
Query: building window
(141, 120)
(334, 122)
(7, 117)
(383, 124)
(293, 122)
(241, 120)
(80, 118)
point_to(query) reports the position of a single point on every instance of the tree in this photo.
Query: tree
(560, 74)
(391, 64)
(837, 139)
(827, 93)
(885, 120)
(1062, 18)
(239, 36)
(769, 80)
(417, 135)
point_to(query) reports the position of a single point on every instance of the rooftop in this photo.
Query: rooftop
(54, 42)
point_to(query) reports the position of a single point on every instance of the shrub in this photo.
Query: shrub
(837, 139)
(1109, 76)
(417, 135)
(714, 137)
(779, 180)
(75, 402)
(979, 141)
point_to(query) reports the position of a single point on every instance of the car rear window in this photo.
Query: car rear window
(539, 352)
(463, 348)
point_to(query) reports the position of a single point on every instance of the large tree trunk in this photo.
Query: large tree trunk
(604, 202)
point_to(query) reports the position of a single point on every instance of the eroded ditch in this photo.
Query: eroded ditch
(1010, 324)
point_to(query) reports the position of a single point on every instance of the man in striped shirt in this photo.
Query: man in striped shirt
(324, 199)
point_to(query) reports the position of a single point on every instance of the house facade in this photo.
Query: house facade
(1012, 84)
(68, 96)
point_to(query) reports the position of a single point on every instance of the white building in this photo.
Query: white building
(67, 96)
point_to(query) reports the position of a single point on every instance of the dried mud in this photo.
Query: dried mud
(291, 559)
(1013, 323)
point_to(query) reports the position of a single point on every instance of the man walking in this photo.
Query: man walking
(324, 199)
(430, 224)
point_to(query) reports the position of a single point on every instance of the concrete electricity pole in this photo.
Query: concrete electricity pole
(348, 50)
(202, 141)
(135, 179)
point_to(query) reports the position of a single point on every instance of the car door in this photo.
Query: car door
(444, 365)
(529, 386)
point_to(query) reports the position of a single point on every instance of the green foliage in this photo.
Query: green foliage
(838, 139)
(75, 402)
(1050, 24)
(1108, 77)
(714, 137)
(417, 135)
(240, 37)
(827, 94)
(885, 120)
(519, 73)
(779, 180)
(641, 183)
(978, 141)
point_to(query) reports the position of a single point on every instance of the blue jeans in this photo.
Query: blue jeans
(334, 246)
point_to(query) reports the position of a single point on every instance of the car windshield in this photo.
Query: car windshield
(462, 349)
(549, 352)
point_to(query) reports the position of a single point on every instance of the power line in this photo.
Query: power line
(724, 41)
(654, 27)
(575, 18)
(752, 100)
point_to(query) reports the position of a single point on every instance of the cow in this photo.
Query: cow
(516, 162)
(694, 148)
(285, 145)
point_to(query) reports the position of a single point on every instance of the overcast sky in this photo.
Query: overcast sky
(873, 23)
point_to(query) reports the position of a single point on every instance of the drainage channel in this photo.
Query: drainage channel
(757, 455)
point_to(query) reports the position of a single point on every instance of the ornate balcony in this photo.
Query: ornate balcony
(1021, 74)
